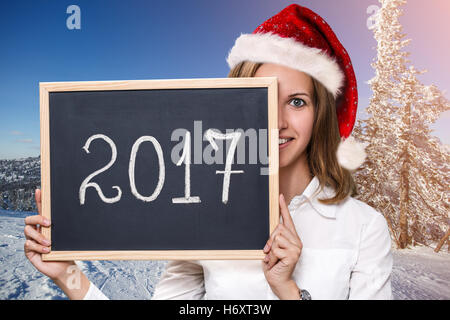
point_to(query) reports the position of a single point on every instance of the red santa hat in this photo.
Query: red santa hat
(300, 39)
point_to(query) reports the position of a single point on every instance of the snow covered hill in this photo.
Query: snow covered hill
(421, 274)
(20, 280)
(418, 273)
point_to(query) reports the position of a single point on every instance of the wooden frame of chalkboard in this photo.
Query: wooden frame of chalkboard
(270, 83)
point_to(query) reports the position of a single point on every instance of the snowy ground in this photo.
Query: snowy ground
(418, 273)
(20, 280)
(421, 274)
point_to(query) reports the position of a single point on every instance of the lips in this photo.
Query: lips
(282, 142)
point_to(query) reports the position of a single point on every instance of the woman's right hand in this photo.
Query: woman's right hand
(36, 244)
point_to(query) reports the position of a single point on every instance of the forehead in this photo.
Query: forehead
(289, 80)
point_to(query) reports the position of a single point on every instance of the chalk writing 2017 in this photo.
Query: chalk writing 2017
(210, 135)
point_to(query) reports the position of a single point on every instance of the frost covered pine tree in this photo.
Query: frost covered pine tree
(406, 174)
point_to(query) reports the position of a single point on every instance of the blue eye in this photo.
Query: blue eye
(297, 102)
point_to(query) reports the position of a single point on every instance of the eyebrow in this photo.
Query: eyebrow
(298, 94)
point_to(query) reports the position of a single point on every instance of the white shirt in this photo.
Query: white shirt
(346, 255)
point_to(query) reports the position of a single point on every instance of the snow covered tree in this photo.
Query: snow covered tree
(406, 174)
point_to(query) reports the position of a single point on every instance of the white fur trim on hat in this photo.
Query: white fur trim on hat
(351, 154)
(271, 48)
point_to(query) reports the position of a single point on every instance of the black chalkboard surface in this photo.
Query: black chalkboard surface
(159, 169)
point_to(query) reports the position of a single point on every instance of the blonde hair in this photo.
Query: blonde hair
(325, 138)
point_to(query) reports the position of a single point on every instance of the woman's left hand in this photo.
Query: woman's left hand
(283, 250)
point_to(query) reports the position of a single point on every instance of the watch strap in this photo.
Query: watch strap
(304, 294)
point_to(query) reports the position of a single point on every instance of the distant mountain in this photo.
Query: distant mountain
(18, 180)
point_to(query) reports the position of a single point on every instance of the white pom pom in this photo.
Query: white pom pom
(351, 154)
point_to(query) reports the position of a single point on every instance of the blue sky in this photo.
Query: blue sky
(122, 40)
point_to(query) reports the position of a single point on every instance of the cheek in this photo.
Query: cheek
(302, 123)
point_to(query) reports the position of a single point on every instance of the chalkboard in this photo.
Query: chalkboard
(159, 169)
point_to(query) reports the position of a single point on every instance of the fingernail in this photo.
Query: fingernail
(46, 249)
(46, 222)
(266, 247)
(46, 242)
(266, 258)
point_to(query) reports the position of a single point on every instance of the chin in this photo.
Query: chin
(288, 160)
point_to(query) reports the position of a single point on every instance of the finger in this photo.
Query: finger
(267, 247)
(289, 235)
(287, 219)
(282, 230)
(271, 244)
(31, 245)
(37, 197)
(292, 250)
(34, 235)
(37, 219)
(275, 232)
(271, 258)
(282, 242)
(275, 255)
(282, 249)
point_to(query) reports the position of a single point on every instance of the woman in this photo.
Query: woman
(328, 245)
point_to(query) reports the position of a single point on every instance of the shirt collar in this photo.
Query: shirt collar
(311, 194)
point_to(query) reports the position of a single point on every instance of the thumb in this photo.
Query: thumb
(286, 215)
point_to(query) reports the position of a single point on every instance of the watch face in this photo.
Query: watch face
(305, 295)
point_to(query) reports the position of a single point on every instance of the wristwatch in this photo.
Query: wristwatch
(304, 295)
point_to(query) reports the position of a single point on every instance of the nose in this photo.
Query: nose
(282, 122)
